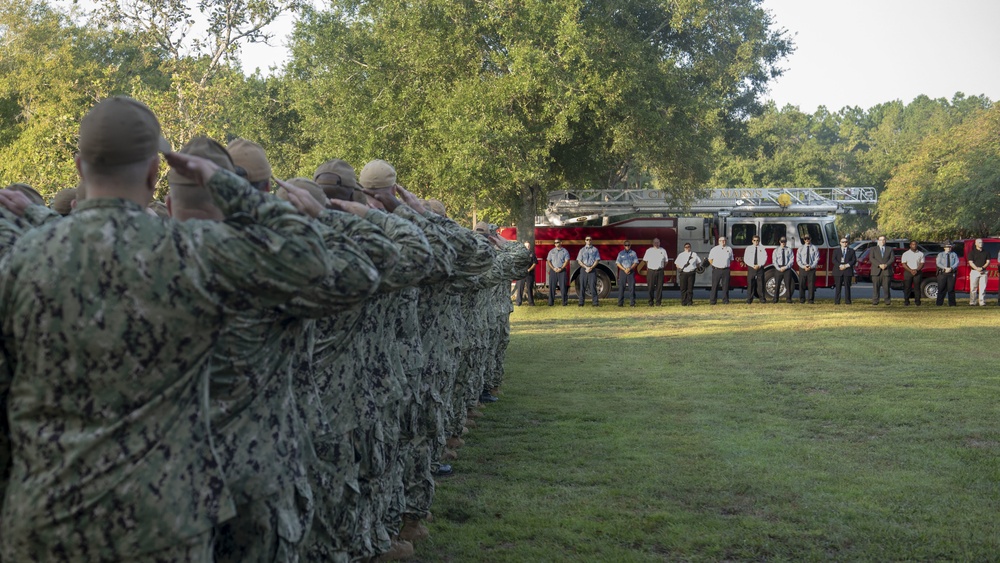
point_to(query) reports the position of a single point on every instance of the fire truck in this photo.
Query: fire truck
(610, 217)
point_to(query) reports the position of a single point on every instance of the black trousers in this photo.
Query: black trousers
(557, 279)
(842, 281)
(720, 277)
(911, 283)
(626, 282)
(588, 281)
(881, 279)
(807, 280)
(686, 280)
(755, 284)
(525, 283)
(654, 281)
(783, 278)
(946, 284)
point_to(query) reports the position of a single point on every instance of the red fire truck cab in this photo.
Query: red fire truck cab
(739, 214)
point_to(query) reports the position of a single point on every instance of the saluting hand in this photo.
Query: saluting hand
(15, 201)
(302, 200)
(354, 207)
(192, 167)
(410, 199)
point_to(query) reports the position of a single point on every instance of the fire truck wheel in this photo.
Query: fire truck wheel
(929, 288)
(771, 281)
(603, 284)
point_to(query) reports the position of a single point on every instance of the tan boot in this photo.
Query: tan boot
(412, 530)
(473, 413)
(495, 391)
(470, 423)
(449, 455)
(399, 549)
(429, 517)
(465, 430)
(455, 442)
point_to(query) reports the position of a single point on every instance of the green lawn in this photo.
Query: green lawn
(740, 432)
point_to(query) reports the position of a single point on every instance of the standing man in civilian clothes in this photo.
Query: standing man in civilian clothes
(882, 259)
(755, 258)
(656, 260)
(844, 259)
(557, 261)
(913, 262)
(782, 259)
(720, 257)
(807, 259)
(687, 264)
(587, 258)
(978, 262)
(527, 282)
(947, 268)
(626, 263)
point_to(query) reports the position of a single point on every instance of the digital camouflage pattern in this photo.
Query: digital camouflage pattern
(438, 320)
(333, 470)
(481, 313)
(367, 372)
(259, 433)
(12, 227)
(109, 318)
(406, 468)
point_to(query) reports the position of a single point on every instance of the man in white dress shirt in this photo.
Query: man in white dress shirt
(656, 260)
(720, 257)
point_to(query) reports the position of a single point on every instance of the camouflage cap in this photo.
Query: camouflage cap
(377, 174)
(35, 197)
(482, 227)
(205, 148)
(252, 157)
(62, 202)
(118, 131)
(307, 185)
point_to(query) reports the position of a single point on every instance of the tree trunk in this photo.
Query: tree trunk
(526, 214)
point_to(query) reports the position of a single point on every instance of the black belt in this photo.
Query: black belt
(719, 268)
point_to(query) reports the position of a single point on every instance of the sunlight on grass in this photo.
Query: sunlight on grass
(740, 432)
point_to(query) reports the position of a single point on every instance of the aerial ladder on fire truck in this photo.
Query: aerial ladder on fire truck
(579, 206)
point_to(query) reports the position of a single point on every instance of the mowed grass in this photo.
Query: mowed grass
(740, 432)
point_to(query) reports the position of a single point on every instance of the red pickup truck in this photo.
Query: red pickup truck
(928, 285)
(992, 246)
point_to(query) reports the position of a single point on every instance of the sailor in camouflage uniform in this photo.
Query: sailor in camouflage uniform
(474, 256)
(511, 260)
(399, 418)
(109, 319)
(259, 434)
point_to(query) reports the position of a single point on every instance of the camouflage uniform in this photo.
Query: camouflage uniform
(437, 319)
(360, 380)
(109, 318)
(259, 434)
(326, 364)
(479, 309)
(12, 227)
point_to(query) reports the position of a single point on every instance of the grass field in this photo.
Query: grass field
(740, 432)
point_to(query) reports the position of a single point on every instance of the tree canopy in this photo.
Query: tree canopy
(495, 103)
(489, 105)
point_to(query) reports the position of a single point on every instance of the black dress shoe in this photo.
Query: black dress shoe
(443, 470)
(487, 398)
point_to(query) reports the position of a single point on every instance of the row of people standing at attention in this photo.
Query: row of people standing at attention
(784, 259)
